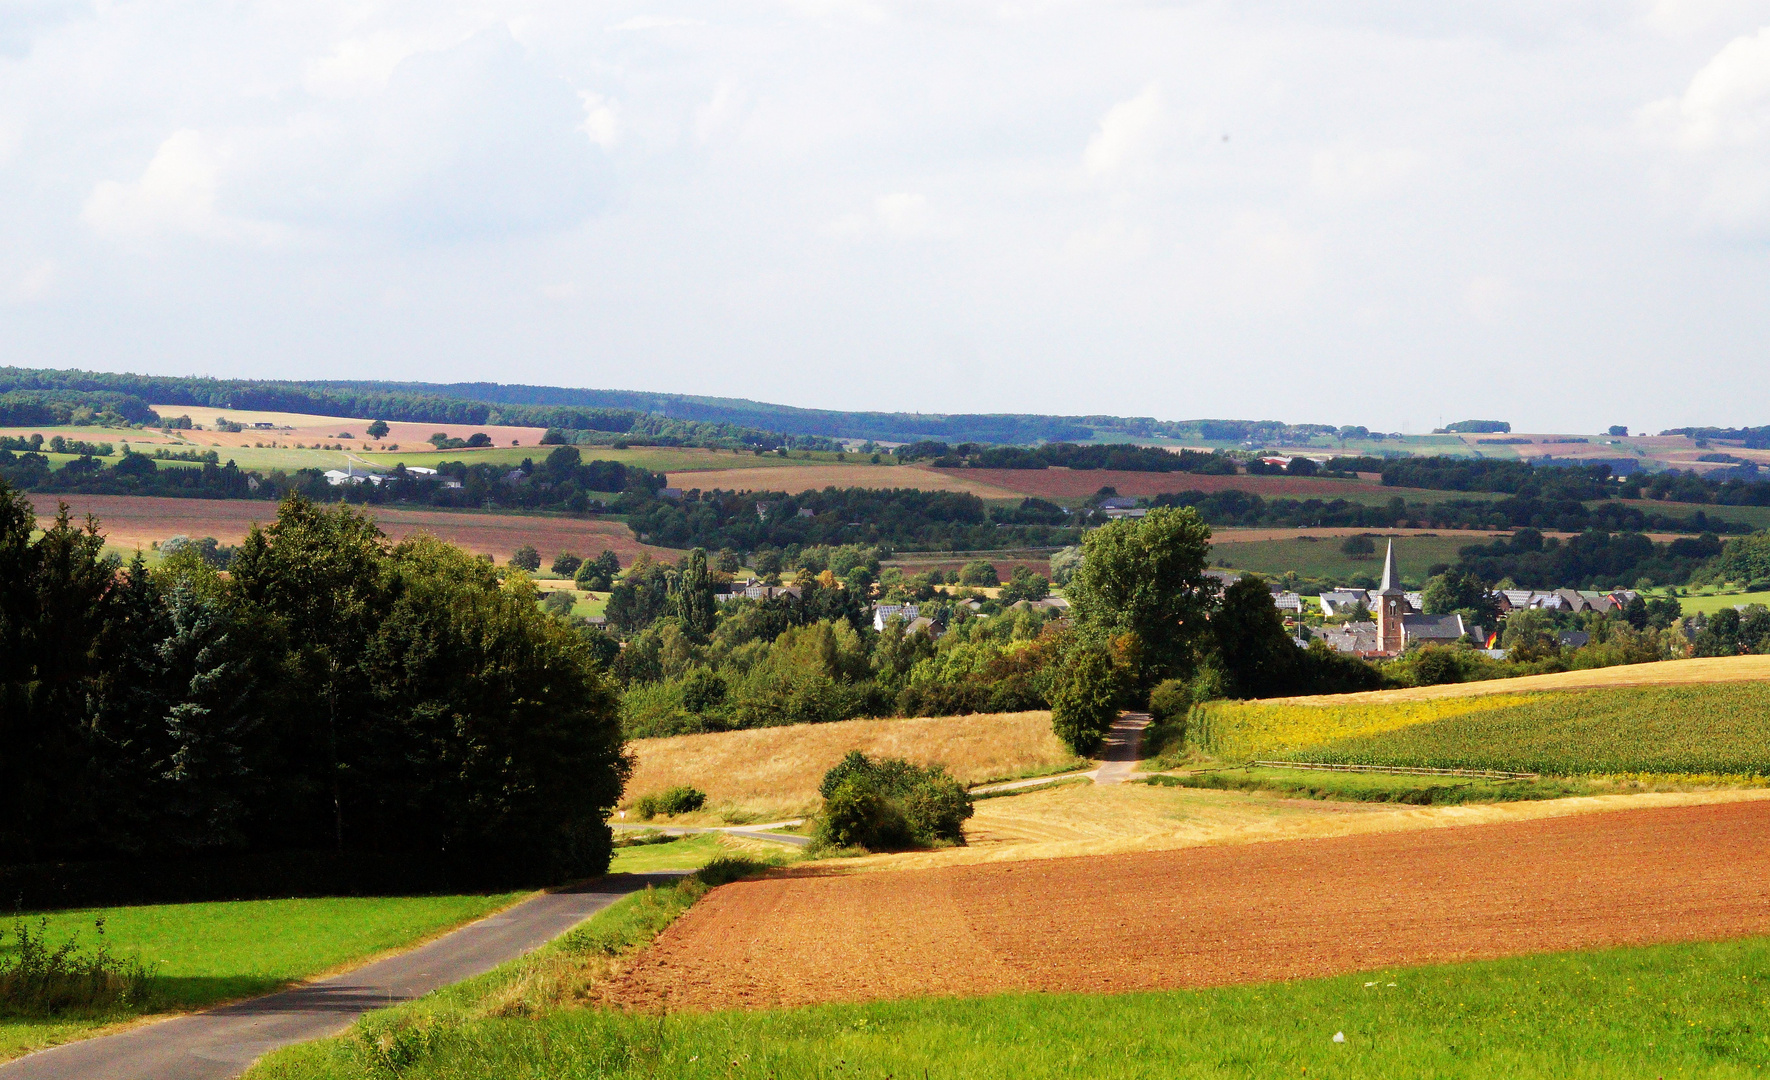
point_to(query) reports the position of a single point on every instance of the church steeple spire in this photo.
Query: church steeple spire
(1391, 637)
(1391, 576)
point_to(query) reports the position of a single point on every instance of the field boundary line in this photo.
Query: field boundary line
(1409, 770)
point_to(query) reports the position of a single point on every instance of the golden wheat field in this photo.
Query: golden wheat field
(775, 771)
(1710, 669)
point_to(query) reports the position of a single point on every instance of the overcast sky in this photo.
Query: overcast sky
(1370, 212)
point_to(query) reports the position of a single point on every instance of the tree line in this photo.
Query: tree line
(40, 396)
(1127, 457)
(334, 692)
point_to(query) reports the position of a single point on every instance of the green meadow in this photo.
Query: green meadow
(1321, 557)
(1688, 1011)
(201, 954)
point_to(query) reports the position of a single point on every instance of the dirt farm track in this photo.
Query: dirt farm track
(1215, 915)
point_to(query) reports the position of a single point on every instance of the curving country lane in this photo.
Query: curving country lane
(222, 1042)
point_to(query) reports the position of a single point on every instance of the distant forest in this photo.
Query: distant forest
(671, 419)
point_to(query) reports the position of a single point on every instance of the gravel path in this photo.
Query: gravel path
(222, 1042)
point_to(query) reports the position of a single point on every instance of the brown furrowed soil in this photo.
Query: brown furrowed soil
(1218, 915)
(136, 521)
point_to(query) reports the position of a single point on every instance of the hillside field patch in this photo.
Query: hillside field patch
(1212, 916)
(139, 521)
(775, 771)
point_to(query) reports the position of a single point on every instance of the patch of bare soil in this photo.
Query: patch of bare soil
(1217, 915)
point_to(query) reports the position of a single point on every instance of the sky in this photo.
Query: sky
(1552, 212)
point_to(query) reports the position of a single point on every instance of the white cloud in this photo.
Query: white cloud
(174, 195)
(1489, 298)
(1717, 134)
(901, 213)
(601, 122)
(1128, 133)
(1728, 102)
(1354, 172)
(655, 22)
(36, 282)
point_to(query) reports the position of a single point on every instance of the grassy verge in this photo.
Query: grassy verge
(1072, 765)
(682, 853)
(204, 953)
(1069, 781)
(557, 980)
(1374, 787)
(1673, 1010)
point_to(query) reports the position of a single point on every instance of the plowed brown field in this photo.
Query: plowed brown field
(133, 521)
(1208, 916)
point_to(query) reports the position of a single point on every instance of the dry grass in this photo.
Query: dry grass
(309, 428)
(1091, 820)
(774, 772)
(1713, 669)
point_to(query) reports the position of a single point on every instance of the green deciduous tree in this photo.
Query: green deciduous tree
(1145, 576)
(695, 606)
(1085, 700)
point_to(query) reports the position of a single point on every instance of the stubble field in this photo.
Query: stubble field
(776, 771)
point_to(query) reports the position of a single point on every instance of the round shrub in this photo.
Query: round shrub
(1170, 700)
(890, 804)
(677, 800)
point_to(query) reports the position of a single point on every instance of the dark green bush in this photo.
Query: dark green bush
(677, 800)
(890, 805)
(1170, 700)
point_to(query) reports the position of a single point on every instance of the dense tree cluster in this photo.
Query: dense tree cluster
(900, 518)
(1127, 457)
(1590, 560)
(334, 692)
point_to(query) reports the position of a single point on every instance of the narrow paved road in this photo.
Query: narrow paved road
(1123, 742)
(222, 1042)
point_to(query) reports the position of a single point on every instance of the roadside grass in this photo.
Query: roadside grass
(691, 853)
(1719, 730)
(1321, 557)
(1689, 1010)
(561, 978)
(1067, 781)
(200, 954)
(1372, 787)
